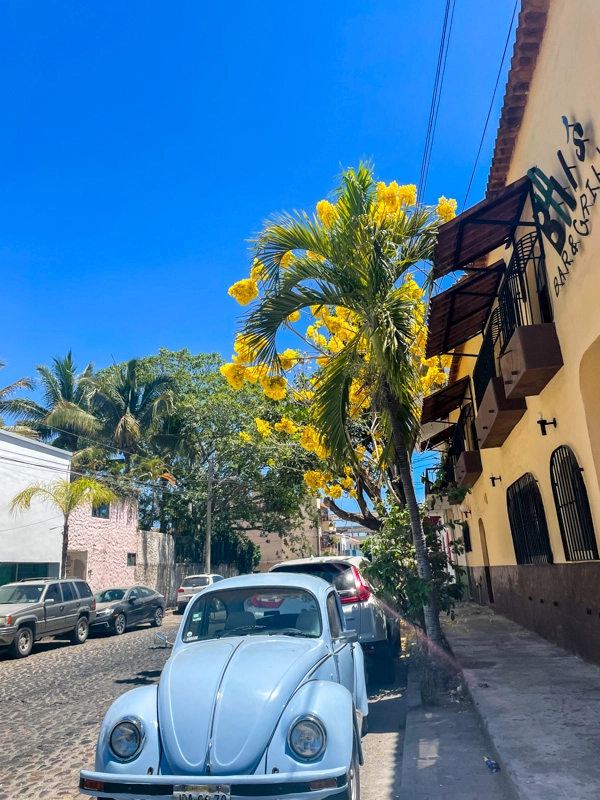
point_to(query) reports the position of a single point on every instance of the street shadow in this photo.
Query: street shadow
(143, 678)
(387, 703)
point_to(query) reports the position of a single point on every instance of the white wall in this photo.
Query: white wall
(35, 535)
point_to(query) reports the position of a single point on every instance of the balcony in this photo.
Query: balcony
(465, 447)
(497, 416)
(532, 358)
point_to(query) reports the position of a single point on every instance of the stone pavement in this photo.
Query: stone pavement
(539, 704)
(52, 704)
(444, 750)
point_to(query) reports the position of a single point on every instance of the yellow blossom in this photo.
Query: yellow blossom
(318, 338)
(293, 317)
(446, 361)
(446, 208)
(388, 196)
(318, 311)
(271, 462)
(274, 386)
(289, 358)
(335, 491)
(287, 259)
(244, 291)
(353, 493)
(407, 194)
(263, 427)
(326, 212)
(315, 479)
(254, 373)
(310, 438)
(333, 324)
(258, 271)
(245, 437)
(322, 361)
(321, 451)
(235, 374)
(347, 483)
(304, 395)
(286, 425)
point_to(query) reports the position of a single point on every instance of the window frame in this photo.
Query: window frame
(572, 505)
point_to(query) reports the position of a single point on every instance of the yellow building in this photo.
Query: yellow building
(519, 422)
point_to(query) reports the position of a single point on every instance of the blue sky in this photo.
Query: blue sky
(143, 143)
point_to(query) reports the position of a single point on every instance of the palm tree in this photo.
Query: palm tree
(357, 262)
(65, 413)
(5, 394)
(130, 406)
(65, 496)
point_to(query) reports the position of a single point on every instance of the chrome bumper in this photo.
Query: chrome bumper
(295, 785)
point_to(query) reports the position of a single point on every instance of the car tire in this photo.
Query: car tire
(353, 791)
(80, 632)
(120, 624)
(157, 619)
(22, 644)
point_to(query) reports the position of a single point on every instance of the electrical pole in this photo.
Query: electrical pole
(208, 516)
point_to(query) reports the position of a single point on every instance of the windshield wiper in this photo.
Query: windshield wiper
(243, 628)
(291, 632)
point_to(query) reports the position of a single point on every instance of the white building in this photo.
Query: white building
(30, 543)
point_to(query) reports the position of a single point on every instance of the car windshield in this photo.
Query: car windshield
(110, 595)
(198, 580)
(339, 574)
(26, 593)
(271, 611)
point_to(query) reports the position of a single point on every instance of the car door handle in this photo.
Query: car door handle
(77, 604)
(61, 608)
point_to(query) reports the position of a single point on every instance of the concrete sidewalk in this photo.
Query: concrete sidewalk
(539, 704)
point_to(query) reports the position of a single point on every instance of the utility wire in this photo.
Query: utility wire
(436, 95)
(487, 120)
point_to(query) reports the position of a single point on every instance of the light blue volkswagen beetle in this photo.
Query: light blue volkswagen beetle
(263, 696)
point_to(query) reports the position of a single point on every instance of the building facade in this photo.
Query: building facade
(30, 543)
(519, 423)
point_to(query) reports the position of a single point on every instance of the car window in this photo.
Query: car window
(53, 593)
(68, 591)
(134, 594)
(333, 572)
(83, 589)
(145, 592)
(110, 595)
(285, 611)
(333, 615)
(23, 593)
(198, 580)
(217, 578)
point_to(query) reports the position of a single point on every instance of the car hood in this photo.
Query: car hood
(219, 700)
(102, 606)
(16, 608)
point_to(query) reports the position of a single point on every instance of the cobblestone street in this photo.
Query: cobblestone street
(53, 702)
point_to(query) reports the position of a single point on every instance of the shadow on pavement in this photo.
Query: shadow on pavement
(143, 678)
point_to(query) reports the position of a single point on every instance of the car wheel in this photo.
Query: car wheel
(157, 619)
(80, 632)
(120, 624)
(22, 643)
(354, 776)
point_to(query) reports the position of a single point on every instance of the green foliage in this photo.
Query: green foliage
(394, 568)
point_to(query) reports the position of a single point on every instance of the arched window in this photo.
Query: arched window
(528, 522)
(572, 506)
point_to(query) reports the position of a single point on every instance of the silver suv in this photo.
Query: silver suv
(378, 635)
(32, 609)
(191, 586)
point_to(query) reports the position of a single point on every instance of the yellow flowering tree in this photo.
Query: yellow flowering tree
(350, 269)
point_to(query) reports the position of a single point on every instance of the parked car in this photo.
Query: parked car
(191, 585)
(31, 609)
(119, 609)
(378, 635)
(262, 696)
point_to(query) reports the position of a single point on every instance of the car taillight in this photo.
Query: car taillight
(362, 591)
(180, 590)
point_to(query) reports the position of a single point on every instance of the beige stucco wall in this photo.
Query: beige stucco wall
(107, 543)
(565, 83)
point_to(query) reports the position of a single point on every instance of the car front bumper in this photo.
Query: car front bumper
(295, 786)
(105, 622)
(7, 634)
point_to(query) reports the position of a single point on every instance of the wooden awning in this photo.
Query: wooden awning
(481, 229)
(460, 313)
(438, 438)
(438, 405)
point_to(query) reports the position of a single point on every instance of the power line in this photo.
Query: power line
(487, 120)
(436, 96)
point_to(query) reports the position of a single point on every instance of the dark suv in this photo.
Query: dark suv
(32, 609)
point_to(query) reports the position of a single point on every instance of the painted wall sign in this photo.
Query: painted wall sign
(563, 212)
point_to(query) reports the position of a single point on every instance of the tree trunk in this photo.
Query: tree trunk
(430, 610)
(65, 547)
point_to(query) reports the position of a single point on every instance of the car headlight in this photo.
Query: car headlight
(104, 611)
(126, 738)
(307, 738)
(6, 620)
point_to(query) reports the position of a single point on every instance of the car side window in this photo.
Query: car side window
(333, 615)
(83, 589)
(217, 578)
(134, 594)
(145, 592)
(68, 592)
(53, 593)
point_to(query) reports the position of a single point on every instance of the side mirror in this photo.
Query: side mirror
(162, 640)
(348, 636)
(49, 602)
(132, 600)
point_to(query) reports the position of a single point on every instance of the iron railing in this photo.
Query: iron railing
(572, 506)
(437, 479)
(464, 437)
(528, 524)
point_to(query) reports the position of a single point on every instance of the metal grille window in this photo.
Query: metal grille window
(572, 506)
(528, 522)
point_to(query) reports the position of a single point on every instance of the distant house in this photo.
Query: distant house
(31, 543)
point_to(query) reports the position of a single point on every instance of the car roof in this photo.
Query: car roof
(357, 561)
(261, 580)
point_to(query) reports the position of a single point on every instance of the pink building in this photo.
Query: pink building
(103, 544)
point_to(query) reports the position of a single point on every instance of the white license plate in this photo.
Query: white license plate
(195, 792)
